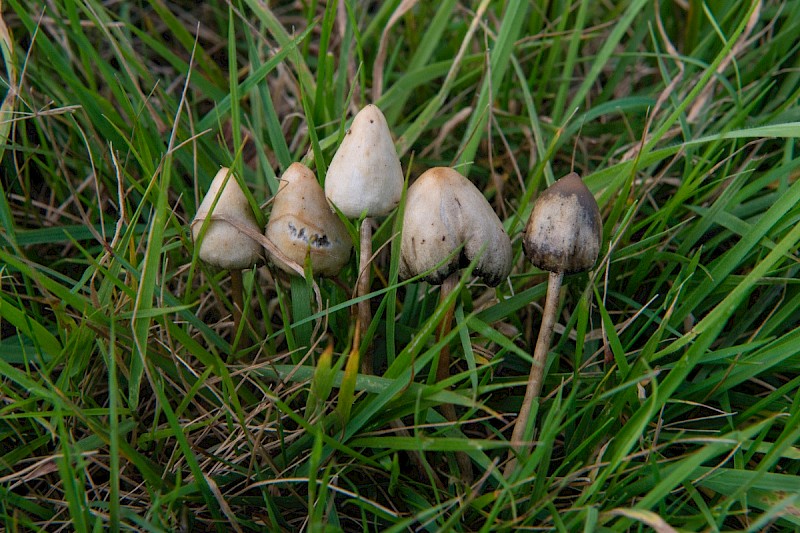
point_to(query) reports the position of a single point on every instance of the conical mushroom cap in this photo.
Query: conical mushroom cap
(365, 172)
(445, 211)
(564, 230)
(223, 245)
(302, 223)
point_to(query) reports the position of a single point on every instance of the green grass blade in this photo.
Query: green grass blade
(498, 64)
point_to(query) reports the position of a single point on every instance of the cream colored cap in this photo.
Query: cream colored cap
(223, 245)
(365, 173)
(445, 211)
(302, 223)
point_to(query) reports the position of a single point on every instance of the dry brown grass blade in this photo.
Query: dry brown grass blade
(7, 106)
(447, 129)
(380, 58)
(668, 91)
(37, 470)
(701, 103)
(648, 518)
(270, 246)
(223, 504)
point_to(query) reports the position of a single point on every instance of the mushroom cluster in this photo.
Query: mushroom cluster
(447, 225)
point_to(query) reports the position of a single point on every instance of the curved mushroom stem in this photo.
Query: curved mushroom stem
(536, 377)
(443, 370)
(237, 294)
(364, 312)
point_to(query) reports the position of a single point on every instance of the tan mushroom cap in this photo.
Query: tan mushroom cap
(564, 230)
(302, 223)
(444, 212)
(365, 173)
(223, 245)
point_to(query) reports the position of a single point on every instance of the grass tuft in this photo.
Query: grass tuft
(131, 402)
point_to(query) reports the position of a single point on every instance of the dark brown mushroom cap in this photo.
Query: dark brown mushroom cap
(564, 230)
(445, 212)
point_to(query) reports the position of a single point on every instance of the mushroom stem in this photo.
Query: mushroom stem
(362, 287)
(237, 293)
(536, 377)
(443, 367)
(443, 370)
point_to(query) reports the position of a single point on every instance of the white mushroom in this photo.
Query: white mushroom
(447, 224)
(222, 245)
(301, 224)
(365, 178)
(365, 174)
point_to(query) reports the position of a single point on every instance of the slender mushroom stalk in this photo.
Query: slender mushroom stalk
(221, 244)
(563, 236)
(365, 177)
(446, 225)
(443, 367)
(363, 282)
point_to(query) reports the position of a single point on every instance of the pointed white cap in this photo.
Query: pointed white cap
(365, 173)
(445, 211)
(302, 223)
(223, 245)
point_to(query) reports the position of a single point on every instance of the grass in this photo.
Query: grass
(672, 394)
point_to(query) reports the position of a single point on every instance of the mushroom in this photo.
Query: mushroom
(365, 175)
(221, 244)
(365, 178)
(563, 236)
(302, 225)
(448, 224)
(444, 213)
